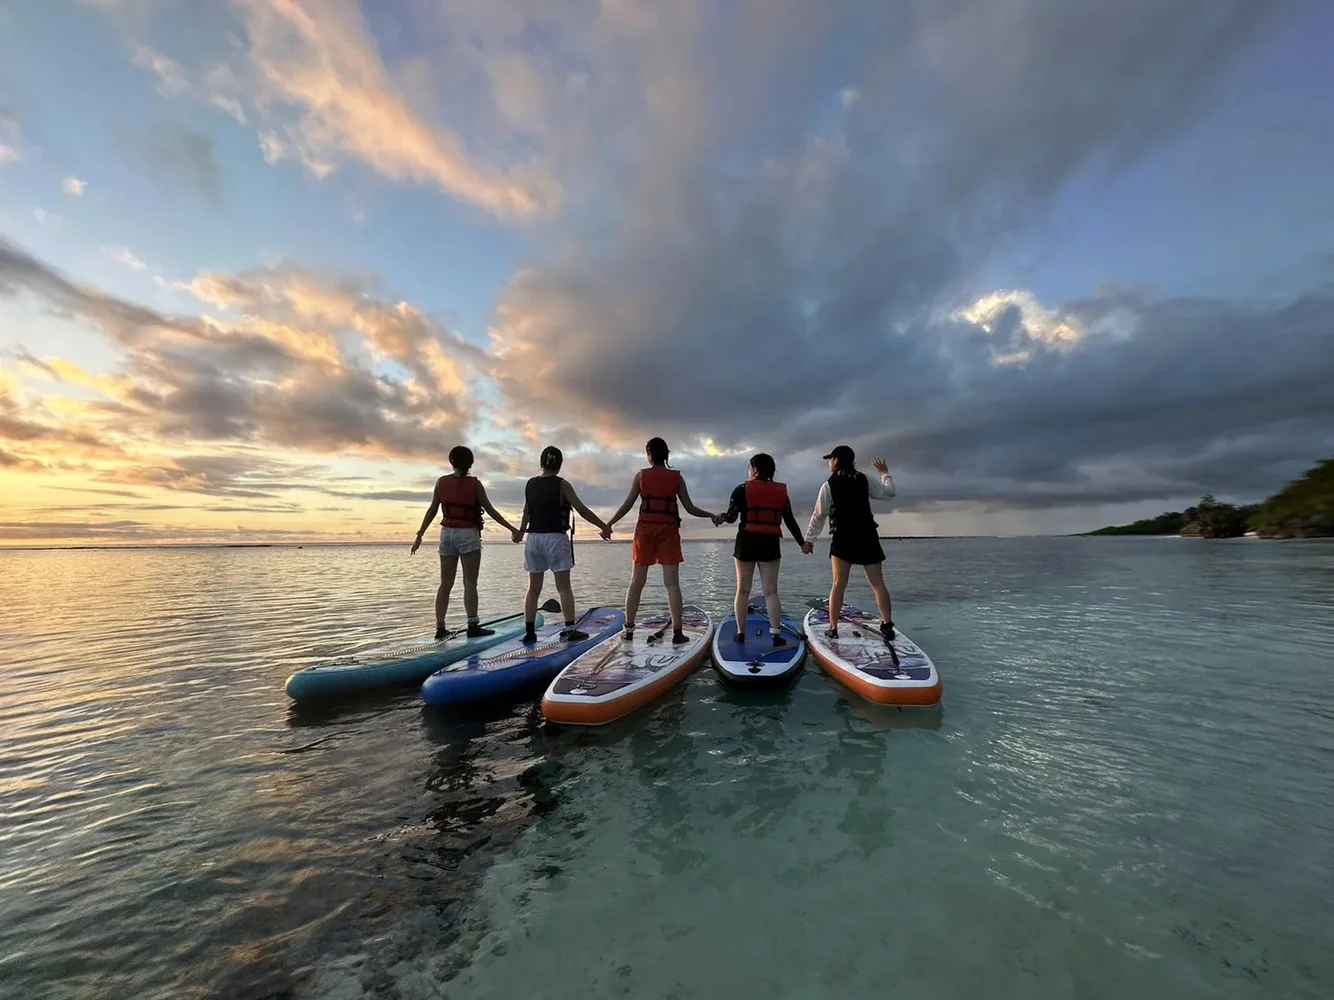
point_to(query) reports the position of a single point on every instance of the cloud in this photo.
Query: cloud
(218, 87)
(173, 154)
(314, 77)
(9, 134)
(126, 256)
(289, 359)
(45, 218)
(790, 282)
(73, 186)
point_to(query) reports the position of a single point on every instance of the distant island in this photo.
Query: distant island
(1304, 508)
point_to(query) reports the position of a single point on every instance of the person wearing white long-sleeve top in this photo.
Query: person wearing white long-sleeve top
(845, 501)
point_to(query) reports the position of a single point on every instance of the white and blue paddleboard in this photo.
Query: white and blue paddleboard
(408, 662)
(756, 661)
(616, 678)
(861, 659)
(514, 665)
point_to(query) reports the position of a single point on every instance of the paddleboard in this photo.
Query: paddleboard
(861, 660)
(756, 661)
(616, 678)
(513, 665)
(407, 662)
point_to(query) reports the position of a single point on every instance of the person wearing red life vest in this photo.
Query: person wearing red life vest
(661, 491)
(764, 508)
(460, 498)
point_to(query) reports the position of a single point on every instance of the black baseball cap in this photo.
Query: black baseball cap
(843, 453)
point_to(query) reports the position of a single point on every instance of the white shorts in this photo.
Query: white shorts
(548, 550)
(460, 541)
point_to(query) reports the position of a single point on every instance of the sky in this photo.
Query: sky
(1062, 263)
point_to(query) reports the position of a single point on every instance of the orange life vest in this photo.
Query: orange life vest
(457, 497)
(657, 496)
(765, 502)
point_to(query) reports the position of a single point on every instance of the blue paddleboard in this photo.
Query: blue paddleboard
(514, 665)
(408, 662)
(756, 661)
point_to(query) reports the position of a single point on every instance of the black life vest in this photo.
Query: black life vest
(547, 511)
(850, 509)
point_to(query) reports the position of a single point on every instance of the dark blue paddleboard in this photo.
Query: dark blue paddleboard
(756, 661)
(513, 665)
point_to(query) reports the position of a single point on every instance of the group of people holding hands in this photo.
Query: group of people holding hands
(761, 504)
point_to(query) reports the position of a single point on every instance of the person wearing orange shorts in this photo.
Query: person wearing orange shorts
(657, 533)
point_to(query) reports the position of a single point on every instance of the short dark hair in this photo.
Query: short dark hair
(763, 465)
(460, 456)
(552, 458)
(657, 450)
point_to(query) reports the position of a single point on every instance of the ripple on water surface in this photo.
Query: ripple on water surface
(1127, 790)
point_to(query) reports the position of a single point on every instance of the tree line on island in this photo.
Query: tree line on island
(1304, 508)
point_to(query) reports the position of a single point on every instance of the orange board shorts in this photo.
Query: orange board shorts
(657, 544)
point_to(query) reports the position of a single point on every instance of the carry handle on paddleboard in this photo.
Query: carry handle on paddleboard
(782, 625)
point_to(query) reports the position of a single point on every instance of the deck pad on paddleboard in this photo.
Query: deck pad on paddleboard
(408, 661)
(620, 676)
(861, 659)
(513, 665)
(757, 660)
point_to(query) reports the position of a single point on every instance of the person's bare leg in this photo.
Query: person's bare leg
(638, 577)
(876, 578)
(448, 567)
(838, 588)
(745, 576)
(671, 579)
(566, 593)
(530, 598)
(772, 602)
(472, 564)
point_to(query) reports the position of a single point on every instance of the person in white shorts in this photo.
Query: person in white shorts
(550, 546)
(462, 499)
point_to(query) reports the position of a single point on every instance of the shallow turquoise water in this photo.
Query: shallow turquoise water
(1128, 791)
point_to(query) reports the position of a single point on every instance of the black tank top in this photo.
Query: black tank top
(547, 512)
(851, 501)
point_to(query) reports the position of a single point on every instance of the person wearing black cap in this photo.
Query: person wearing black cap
(547, 500)
(845, 501)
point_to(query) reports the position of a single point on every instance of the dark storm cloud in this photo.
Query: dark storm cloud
(786, 288)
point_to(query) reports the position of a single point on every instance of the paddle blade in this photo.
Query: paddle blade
(550, 606)
(818, 603)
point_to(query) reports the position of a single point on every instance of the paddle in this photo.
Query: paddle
(822, 604)
(550, 606)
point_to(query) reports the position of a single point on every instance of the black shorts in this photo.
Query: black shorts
(860, 550)
(753, 547)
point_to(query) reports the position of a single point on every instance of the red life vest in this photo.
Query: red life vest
(457, 497)
(657, 496)
(765, 503)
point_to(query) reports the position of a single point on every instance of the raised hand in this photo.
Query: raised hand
(880, 466)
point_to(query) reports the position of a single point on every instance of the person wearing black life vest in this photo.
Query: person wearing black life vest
(547, 501)
(845, 500)
(461, 498)
(763, 507)
(661, 492)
